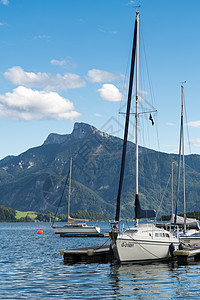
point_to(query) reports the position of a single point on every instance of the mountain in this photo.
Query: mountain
(35, 179)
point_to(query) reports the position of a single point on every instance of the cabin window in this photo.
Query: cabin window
(129, 231)
(159, 234)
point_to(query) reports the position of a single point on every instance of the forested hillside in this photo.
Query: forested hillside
(35, 180)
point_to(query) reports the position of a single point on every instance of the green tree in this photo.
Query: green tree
(7, 214)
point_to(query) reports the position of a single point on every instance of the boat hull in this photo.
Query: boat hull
(142, 251)
(143, 244)
(190, 240)
(76, 230)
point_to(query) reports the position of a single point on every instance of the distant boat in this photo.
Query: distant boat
(143, 242)
(75, 229)
(190, 237)
(189, 228)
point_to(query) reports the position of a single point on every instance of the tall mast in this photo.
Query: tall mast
(70, 177)
(181, 150)
(136, 112)
(126, 123)
(136, 98)
(179, 166)
(172, 187)
(183, 159)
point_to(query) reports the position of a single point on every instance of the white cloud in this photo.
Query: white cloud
(58, 62)
(170, 124)
(26, 104)
(41, 37)
(5, 2)
(67, 63)
(131, 2)
(108, 31)
(114, 31)
(44, 80)
(194, 124)
(110, 92)
(96, 75)
(98, 115)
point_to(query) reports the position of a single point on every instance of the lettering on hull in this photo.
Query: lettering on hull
(125, 244)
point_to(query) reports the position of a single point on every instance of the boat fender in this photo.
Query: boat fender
(171, 249)
(111, 250)
(90, 252)
(180, 246)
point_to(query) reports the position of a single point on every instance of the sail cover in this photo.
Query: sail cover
(180, 220)
(141, 213)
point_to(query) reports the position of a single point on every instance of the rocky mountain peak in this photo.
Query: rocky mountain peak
(80, 130)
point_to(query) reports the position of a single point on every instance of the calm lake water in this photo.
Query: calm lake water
(31, 268)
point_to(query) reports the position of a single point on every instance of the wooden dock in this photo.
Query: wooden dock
(94, 254)
(188, 254)
(102, 235)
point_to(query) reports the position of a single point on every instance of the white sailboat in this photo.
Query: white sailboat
(75, 229)
(190, 232)
(143, 242)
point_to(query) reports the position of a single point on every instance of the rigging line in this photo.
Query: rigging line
(148, 73)
(144, 140)
(61, 197)
(159, 152)
(125, 80)
(186, 124)
(188, 136)
(153, 99)
(148, 76)
(127, 224)
(150, 86)
(162, 198)
(103, 244)
(144, 126)
(179, 165)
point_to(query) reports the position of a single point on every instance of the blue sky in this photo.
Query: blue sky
(66, 61)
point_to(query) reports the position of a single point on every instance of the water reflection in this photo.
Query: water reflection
(31, 268)
(157, 280)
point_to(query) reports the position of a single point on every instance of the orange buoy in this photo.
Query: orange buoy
(40, 231)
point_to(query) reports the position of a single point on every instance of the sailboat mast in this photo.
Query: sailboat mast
(179, 165)
(70, 177)
(183, 159)
(136, 116)
(172, 188)
(136, 98)
(126, 124)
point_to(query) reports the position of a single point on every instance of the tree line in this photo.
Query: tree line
(9, 215)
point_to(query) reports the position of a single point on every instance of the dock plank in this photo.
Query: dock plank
(100, 235)
(88, 254)
(187, 254)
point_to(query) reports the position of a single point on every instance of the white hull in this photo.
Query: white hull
(191, 238)
(76, 229)
(190, 241)
(146, 243)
